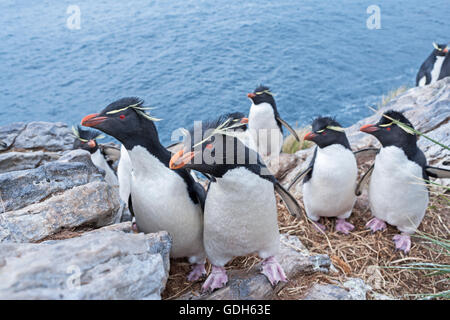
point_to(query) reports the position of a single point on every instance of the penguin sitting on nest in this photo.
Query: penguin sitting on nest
(240, 205)
(330, 179)
(398, 191)
(86, 139)
(161, 199)
(265, 123)
(434, 68)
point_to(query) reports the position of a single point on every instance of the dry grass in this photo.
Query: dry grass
(385, 99)
(291, 145)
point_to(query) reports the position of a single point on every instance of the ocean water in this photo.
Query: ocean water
(196, 59)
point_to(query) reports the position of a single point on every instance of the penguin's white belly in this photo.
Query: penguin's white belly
(396, 192)
(422, 81)
(266, 136)
(331, 190)
(124, 174)
(240, 217)
(436, 69)
(161, 202)
(100, 162)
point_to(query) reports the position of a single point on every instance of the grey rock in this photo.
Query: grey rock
(327, 292)
(50, 136)
(352, 289)
(93, 204)
(13, 161)
(104, 264)
(9, 133)
(21, 188)
(250, 285)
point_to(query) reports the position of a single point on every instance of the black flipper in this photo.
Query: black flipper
(130, 206)
(291, 203)
(307, 173)
(200, 192)
(2, 144)
(435, 172)
(364, 181)
(300, 176)
(369, 152)
(292, 131)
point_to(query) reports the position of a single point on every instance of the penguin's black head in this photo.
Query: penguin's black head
(390, 133)
(440, 50)
(125, 120)
(213, 147)
(86, 139)
(327, 131)
(262, 94)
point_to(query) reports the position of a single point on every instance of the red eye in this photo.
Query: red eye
(388, 128)
(324, 133)
(122, 116)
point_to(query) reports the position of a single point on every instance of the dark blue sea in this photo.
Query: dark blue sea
(195, 59)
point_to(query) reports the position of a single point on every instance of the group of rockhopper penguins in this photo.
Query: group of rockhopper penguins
(237, 214)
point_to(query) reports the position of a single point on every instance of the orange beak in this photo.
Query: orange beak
(92, 120)
(251, 95)
(179, 159)
(368, 128)
(244, 120)
(309, 136)
(445, 50)
(91, 143)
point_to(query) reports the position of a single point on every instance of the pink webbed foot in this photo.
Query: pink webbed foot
(376, 224)
(319, 226)
(344, 226)
(197, 271)
(134, 227)
(273, 271)
(217, 279)
(402, 242)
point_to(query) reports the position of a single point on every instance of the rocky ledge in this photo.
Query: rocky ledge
(60, 236)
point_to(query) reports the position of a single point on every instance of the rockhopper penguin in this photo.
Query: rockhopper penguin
(162, 199)
(398, 193)
(240, 206)
(265, 123)
(86, 139)
(432, 69)
(330, 179)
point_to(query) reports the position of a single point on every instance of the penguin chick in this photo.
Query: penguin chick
(329, 181)
(86, 139)
(431, 69)
(395, 193)
(240, 205)
(265, 123)
(161, 199)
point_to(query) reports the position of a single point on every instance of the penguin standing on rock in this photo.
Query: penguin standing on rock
(161, 199)
(330, 179)
(433, 68)
(265, 123)
(87, 140)
(240, 205)
(398, 192)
